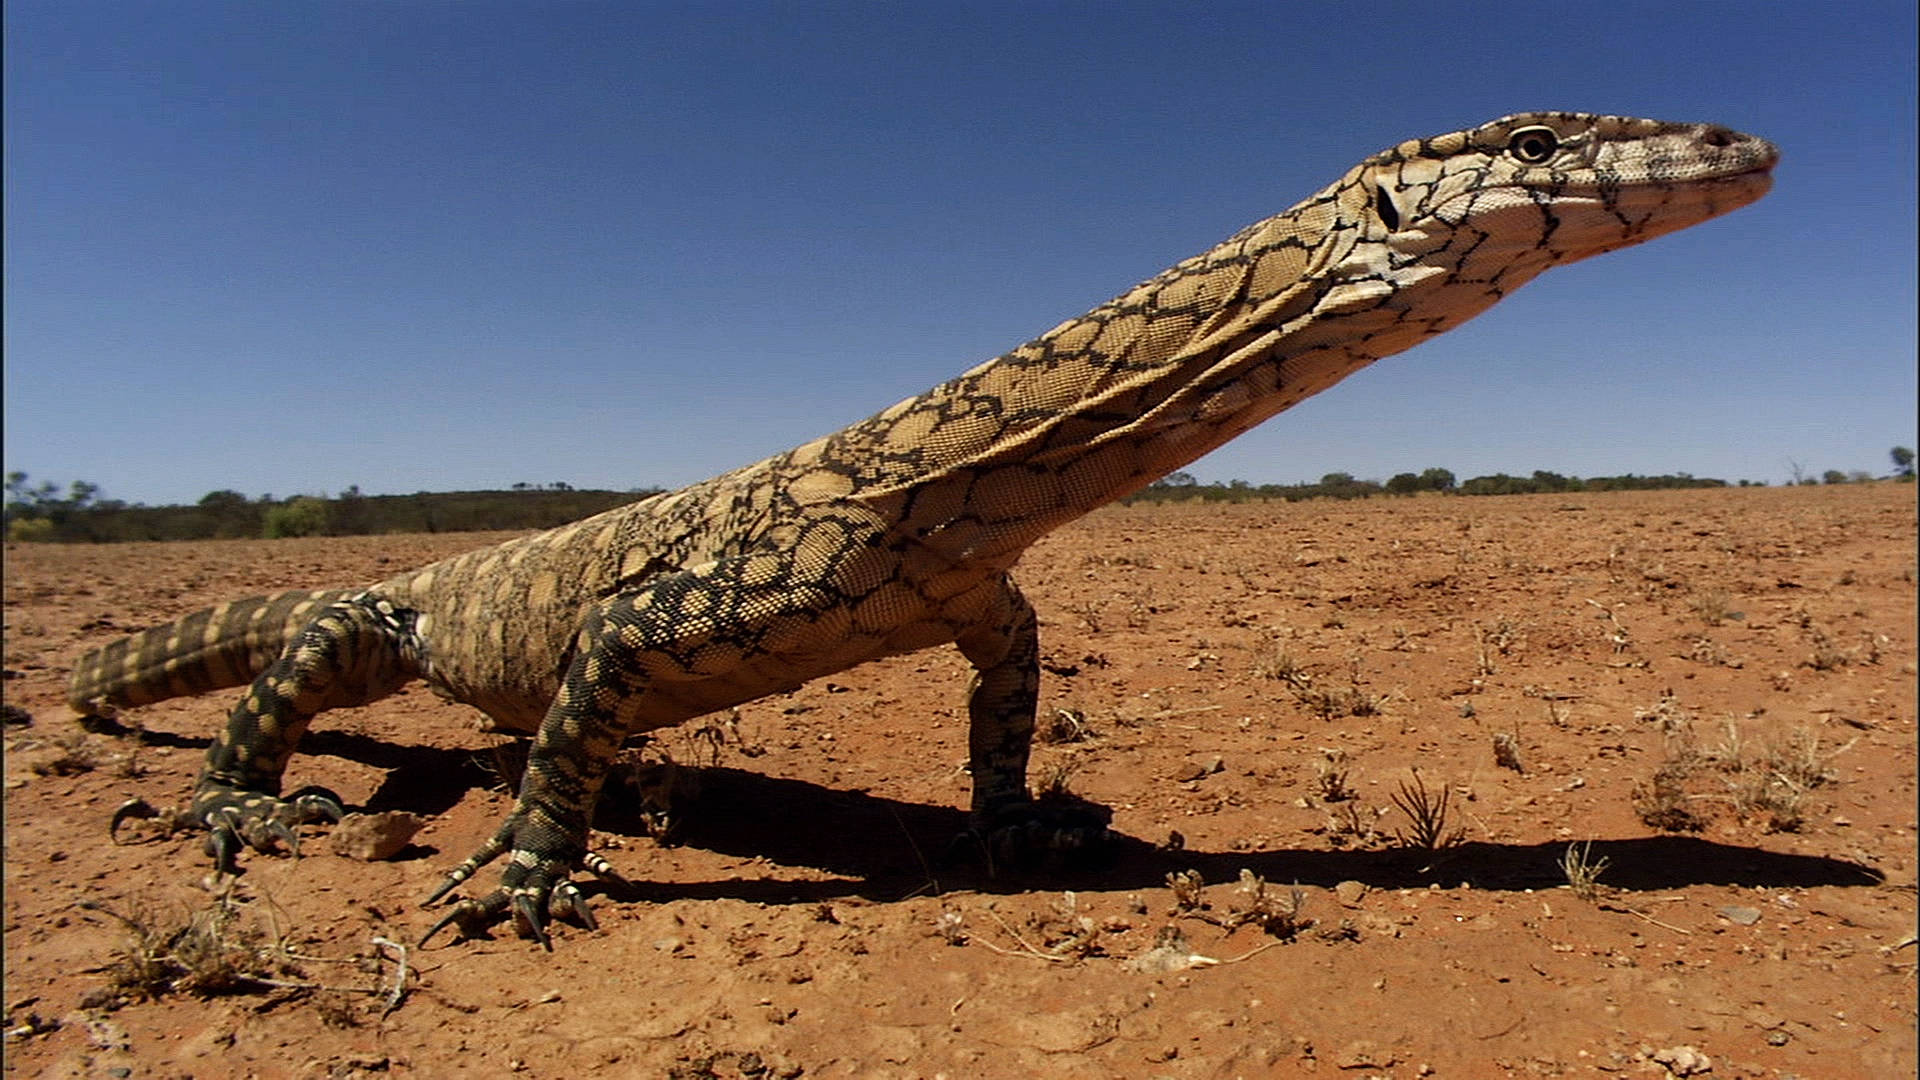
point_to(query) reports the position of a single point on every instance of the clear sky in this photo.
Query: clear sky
(291, 247)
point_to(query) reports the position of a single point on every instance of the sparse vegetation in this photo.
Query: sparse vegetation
(1274, 661)
(1427, 816)
(1066, 931)
(1582, 870)
(1506, 751)
(1348, 825)
(1278, 913)
(203, 953)
(1187, 887)
(1663, 802)
(1331, 776)
(68, 755)
(1056, 780)
(1328, 703)
(1714, 606)
(1063, 726)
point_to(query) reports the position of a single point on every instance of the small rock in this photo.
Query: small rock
(1198, 768)
(1683, 1061)
(372, 837)
(1350, 893)
(1745, 916)
(1364, 1054)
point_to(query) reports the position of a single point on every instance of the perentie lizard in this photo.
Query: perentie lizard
(898, 532)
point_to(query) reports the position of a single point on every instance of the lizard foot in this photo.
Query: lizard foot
(532, 891)
(263, 822)
(1065, 829)
(232, 818)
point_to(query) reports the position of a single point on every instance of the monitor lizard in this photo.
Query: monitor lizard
(899, 532)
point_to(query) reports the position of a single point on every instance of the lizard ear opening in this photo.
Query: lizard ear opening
(1383, 205)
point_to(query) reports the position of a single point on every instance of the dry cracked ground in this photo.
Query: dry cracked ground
(1601, 784)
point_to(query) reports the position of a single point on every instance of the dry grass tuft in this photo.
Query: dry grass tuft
(1276, 913)
(1188, 888)
(1582, 870)
(1063, 726)
(203, 953)
(1332, 777)
(1427, 813)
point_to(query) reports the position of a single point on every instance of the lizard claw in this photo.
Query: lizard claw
(471, 916)
(223, 845)
(529, 920)
(132, 808)
(279, 831)
(569, 903)
(314, 803)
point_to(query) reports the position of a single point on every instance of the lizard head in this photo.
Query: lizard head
(1505, 200)
(1422, 236)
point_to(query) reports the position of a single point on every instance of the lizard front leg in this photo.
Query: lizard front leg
(1007, 822)
(634, 656)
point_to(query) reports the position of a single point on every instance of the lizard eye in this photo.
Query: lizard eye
(1533, 145)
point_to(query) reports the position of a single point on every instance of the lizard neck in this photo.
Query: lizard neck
(1100, 406)
(1409, 243)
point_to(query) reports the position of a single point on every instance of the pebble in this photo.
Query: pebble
(1745, 916)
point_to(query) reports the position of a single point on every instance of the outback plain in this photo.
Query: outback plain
(1596, 784)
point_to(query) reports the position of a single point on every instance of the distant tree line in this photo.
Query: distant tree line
(1177, 487)
(1181, 487)
(77, 513)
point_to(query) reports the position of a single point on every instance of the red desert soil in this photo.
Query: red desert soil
(1247, 687)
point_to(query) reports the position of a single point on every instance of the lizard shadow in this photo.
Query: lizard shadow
(887, 849)
(884, 849)
(427, 780)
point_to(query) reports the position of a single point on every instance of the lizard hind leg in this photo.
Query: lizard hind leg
(354, 651)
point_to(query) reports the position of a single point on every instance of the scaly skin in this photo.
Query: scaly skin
(898, 533)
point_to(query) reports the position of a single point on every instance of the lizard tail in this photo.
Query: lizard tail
(219, 647)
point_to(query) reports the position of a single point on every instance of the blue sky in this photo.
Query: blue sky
(415, 246)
